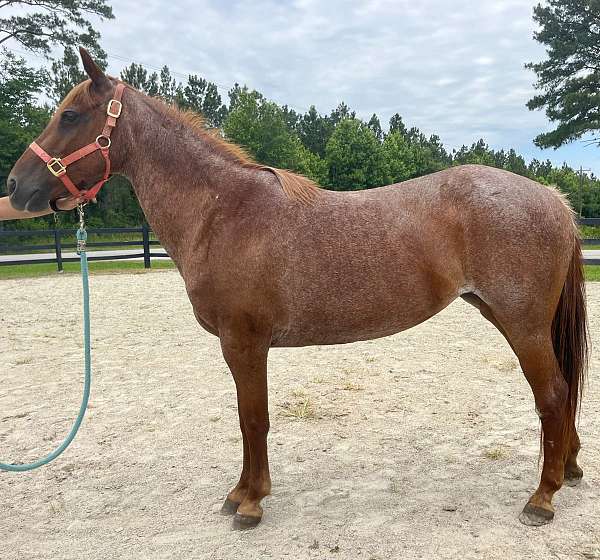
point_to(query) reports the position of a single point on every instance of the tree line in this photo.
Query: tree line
(337, 149)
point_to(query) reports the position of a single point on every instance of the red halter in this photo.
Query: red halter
(58, 166)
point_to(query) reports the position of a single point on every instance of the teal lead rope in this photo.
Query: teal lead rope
(81, 247)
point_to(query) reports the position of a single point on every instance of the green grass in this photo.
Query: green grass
(592, 273)
(96, 267)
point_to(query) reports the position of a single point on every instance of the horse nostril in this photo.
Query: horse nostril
(11, 185)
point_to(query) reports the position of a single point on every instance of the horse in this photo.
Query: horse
(269, 259)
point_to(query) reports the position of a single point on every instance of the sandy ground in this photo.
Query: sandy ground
(420, 445)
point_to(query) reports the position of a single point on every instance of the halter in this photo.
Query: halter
(58, 166)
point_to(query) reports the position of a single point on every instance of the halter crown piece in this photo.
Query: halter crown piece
(58, 166)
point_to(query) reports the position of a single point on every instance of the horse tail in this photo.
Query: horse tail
(570, 336)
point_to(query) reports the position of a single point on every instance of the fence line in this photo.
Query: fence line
(145, 243)
(59, 245)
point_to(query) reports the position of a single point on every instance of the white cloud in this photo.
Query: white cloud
(451, 68)
(484, 60)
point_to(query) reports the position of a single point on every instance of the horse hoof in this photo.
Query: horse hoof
(535, 516)
(573, 481)
(573, 478)
(229, 507)
(243, 522)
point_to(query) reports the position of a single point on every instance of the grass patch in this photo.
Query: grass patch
(495, 454)
(302, 410)
(350, 386)
(96, 267)
(592, 273)
(23, 361)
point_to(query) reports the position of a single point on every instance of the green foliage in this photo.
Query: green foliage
(355, 157)
(21, 119)
(260, 127)
(583, 192)
(569, 79)
(400, 157)
(590, 232)
(168, 89)
(397, 125)
(314, 131)
(375, 127)
(137, 76)
(234, 95)
(429, 153)
(197, 94)
(203, 97)
(41, 25)
(312, 166)
(478, 153)
(290, 117)
(336, 149)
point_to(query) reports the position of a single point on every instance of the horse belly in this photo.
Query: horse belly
(348, 313)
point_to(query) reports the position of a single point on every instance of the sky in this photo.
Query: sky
(453, 68)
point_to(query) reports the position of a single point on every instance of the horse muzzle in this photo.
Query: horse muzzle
(31, 198)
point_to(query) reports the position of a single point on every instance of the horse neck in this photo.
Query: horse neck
(178, 177)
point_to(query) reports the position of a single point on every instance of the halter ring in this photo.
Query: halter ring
(103, 137)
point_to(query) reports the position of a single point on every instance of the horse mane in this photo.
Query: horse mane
(295, 186)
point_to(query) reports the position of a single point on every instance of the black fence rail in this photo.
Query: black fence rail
(64, 240)
(595, 222)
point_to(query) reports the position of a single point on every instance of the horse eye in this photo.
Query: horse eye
(69, 116)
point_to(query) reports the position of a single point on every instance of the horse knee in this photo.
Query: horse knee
(257, 427)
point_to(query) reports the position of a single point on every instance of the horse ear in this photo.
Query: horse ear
(92, 69)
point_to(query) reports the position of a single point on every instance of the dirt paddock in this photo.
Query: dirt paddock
(420, 445)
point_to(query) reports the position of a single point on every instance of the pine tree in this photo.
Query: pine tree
(375, 127)
(569, 78)
(40, 25)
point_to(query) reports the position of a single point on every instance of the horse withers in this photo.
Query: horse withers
(269, 259)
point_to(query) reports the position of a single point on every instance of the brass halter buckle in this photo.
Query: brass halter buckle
(56, 167)
(114, 108)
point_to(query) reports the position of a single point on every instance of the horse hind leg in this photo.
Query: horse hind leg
(536, 354)
(551, 392)
(573, 472)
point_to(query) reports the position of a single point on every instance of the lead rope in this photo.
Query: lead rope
(81, 248)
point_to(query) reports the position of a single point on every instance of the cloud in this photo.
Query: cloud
(451, 68)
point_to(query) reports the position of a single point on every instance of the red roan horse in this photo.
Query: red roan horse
(269, 259)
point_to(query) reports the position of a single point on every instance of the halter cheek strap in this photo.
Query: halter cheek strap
(58, 166)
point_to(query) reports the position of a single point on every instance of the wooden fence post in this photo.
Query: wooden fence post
(58, 249)
(146, 242)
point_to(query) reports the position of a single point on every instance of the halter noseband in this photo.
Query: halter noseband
(58, 166)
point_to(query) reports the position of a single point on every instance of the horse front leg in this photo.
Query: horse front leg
(239, 491)
(247, 360)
